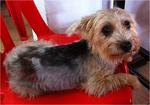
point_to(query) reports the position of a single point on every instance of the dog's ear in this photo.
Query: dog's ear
(81, 27)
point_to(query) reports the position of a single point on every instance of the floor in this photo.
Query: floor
(140, 95)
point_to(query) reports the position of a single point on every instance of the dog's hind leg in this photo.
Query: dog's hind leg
(25, 88)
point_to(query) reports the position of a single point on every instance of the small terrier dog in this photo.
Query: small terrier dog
(107, 38)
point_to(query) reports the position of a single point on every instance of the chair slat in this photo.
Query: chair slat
(5, 37)
(29, 10)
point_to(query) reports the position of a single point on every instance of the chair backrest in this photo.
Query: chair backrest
(29, 10)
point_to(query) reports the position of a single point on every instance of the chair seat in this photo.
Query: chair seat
(75, 96)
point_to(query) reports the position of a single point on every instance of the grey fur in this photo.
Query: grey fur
(25, 71)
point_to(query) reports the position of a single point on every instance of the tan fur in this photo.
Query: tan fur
(102, 78)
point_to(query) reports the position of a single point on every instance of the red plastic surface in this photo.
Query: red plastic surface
(123, 95)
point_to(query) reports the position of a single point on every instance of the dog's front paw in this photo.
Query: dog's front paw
(133, 81)
(99, 90)
(99, 87)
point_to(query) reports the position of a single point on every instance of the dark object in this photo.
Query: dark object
(138, 61)
(144, 53)
(119, 3)
(141, 78)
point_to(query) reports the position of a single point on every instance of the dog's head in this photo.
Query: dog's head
(111, 34)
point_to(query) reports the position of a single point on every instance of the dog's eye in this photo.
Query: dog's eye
(107, 30)
(127, 24)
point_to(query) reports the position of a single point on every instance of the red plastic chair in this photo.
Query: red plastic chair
(76, 96)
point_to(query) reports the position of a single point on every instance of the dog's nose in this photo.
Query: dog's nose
(126, 46)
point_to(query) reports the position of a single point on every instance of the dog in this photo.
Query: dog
(108, 37)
